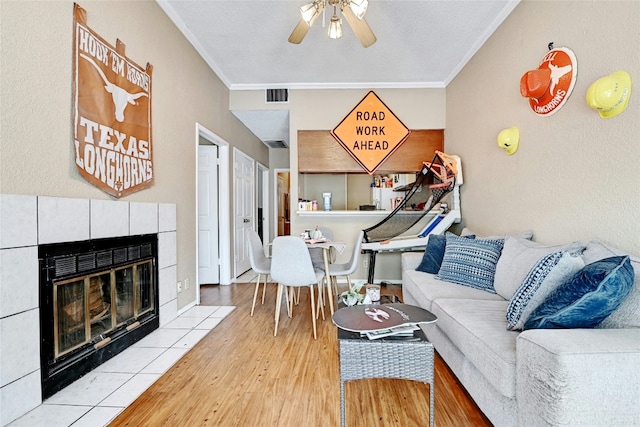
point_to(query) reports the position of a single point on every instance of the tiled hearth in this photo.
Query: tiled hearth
(26, 222)
(98, 397)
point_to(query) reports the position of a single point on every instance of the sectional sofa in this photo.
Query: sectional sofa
(560, 370)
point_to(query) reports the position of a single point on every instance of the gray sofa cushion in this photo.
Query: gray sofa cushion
(479, 329)
(423, 288)
(518, 257)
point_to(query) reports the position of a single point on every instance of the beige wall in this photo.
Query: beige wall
(35, 132)
(575, 175)
(324, 109)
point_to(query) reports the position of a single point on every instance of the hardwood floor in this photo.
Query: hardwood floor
(241, 375)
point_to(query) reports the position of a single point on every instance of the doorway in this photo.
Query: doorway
(208, 211)
(283, 206)
(243, 208)
(262, 203)
(215, 249)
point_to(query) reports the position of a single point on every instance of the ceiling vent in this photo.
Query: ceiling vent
(277, 95)
(278, 143)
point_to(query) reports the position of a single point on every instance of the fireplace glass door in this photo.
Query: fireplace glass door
(89, 307)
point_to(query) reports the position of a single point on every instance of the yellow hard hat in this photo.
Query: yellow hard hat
(610, 94)
(509, 139)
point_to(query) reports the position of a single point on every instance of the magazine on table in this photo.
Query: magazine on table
(395, 331)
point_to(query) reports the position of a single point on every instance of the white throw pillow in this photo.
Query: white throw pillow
(546, 275)
(518, 258)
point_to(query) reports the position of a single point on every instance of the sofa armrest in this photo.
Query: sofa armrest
(578, 377)
(411, 260)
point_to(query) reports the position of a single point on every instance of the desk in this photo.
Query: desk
(326, 247)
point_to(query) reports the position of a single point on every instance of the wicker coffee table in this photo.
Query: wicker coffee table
(409, 358)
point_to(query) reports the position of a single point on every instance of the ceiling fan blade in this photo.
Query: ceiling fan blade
(359, 27)
(303, 26)
(298, 33)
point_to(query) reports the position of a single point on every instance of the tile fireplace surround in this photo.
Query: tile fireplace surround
(25, 222)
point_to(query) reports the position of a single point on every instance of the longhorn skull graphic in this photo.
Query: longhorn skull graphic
(120, 96)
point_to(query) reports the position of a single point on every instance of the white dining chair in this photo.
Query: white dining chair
(260, 264)
(291, 267)
(347, 269)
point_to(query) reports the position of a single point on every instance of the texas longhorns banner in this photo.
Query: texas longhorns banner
(111, 113)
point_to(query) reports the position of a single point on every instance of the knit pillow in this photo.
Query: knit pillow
(548, 273)
(434, 252)
(470, 262)
(587, 298)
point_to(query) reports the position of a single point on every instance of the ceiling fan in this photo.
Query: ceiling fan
(352, 10)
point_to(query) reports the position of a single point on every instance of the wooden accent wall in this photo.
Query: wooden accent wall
(319, 152)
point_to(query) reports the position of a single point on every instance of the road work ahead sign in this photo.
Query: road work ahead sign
(370, 132)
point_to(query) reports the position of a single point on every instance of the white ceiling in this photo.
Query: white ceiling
(421, 44)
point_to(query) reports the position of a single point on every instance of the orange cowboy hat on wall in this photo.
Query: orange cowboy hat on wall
(535, 83)
(548, 87)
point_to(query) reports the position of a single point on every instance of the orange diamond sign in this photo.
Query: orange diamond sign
(370, 132)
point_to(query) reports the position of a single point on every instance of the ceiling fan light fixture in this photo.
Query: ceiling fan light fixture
(352, 10)
(359, 7)
(311, 11)
(335, 27)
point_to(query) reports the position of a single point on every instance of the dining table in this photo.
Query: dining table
(327, 247)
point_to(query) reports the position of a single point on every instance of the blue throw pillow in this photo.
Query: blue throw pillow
(587, 298)
(470, 262)
(434, 252)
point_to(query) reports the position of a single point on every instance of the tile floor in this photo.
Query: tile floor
(98, 397)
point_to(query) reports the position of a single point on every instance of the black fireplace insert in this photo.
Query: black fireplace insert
(97, 297)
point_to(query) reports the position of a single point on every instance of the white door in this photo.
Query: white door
(243, 197)
(208, 240)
